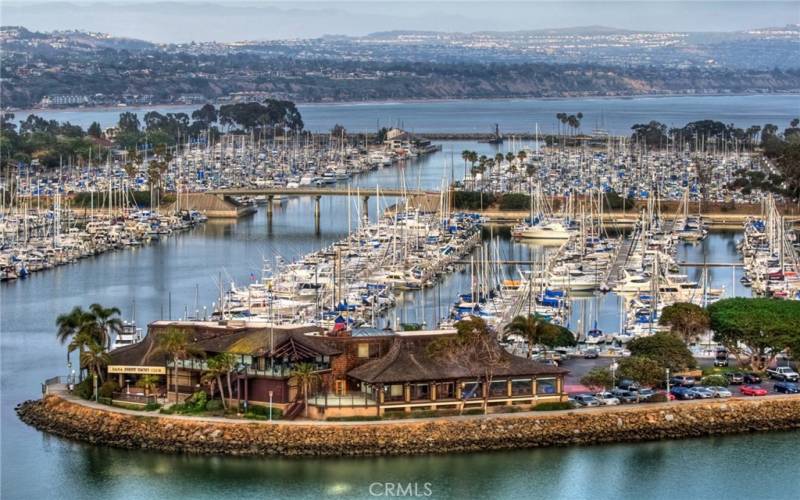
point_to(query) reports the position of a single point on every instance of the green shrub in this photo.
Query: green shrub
(561, 405)
(515, 201)
(714, 380)
(263, 411)
(214, 405)
(353, 418)
(473, 411)
(152, 407)
(198, 401)
(472, 200)
(108, 389)
(104, 401)
(85, 389)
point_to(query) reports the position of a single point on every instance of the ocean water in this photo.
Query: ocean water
(616, 115)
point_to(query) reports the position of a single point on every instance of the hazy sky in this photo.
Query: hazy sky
(230, 20)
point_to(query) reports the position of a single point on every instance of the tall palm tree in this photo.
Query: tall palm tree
(79, 328)
(95, 359)
(213, 375)
(530, 327)
(176, 344)
(305, 374)
(108, 321)
(226, 363)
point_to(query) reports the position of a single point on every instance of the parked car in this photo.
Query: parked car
(591, 354)
(646, 394)
(735, 378)
(753, 390)
(607, 398)
(682, 380)
(628, 385)
(787, 387)
(586, 400)
(681, 392)
(624, 396)
(702, 393)
(751, 378)
(720, 392)
(721, 358)
(784, 373)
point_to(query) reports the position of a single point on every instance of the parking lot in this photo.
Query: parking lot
(578, 367)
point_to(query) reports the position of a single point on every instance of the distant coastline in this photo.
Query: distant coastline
(389, 102)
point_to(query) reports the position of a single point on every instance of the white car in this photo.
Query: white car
(606, 398)
(720, 392)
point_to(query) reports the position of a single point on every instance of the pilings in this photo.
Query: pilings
(316, 214)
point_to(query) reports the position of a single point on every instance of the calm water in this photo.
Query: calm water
(35, 465)
(513, 115)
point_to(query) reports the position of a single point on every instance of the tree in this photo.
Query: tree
(108, 321)
(95, 359)
(205, 115)
(685, 319)
(305, 374)
(597, 379)
(176, 344)
(213, 375)
(557, 336)
(226, 363)
(529, 327)
(643, 370)
(128, 123)
(148, 383)
(756, 330)
(475, 347)
(95, 130)
(666, 349)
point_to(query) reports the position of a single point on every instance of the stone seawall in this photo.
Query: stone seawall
(110, 427)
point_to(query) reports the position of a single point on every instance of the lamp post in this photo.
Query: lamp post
(613, 368)
(270, 406)
(667, 370)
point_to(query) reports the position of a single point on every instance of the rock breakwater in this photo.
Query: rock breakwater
(75, 420)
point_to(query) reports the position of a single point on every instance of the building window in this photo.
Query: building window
(546, 386)
(420, 391)
(363, 350)
(498, 388)
(446, 390)
(521, 387)
(395, 393)
(472, 390)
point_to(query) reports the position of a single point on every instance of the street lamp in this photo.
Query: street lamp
(613, 367)
(667, 370)
(270, 406)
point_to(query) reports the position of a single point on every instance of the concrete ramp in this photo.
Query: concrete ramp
(212, 206)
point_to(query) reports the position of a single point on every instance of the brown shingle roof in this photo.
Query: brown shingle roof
(216, 338)
(408, 361)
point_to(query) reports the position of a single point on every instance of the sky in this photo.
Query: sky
(232, 20)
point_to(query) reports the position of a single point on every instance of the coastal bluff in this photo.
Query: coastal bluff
(170, 434)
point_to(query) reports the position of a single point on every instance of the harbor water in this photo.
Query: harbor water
(615, 115)
(182, 273)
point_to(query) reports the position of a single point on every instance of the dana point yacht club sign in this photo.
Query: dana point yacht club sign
(142, 370)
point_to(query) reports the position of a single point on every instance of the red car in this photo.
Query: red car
(753, 390)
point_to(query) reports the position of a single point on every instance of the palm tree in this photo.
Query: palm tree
(530, 327)
(82, 328)
(95, 359)
(305, 374)
(213, 375)
(176, 344)
(148, 383)
(226, 362)
(521, 156)
(107, 321)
